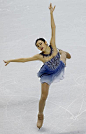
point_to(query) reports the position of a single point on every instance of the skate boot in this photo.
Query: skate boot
(40, 120)
(68, 56)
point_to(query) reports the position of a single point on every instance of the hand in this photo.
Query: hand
(7, 62)
(51, 8)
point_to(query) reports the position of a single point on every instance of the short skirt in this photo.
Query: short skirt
(48, 75)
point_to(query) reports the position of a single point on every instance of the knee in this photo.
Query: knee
(44, 97)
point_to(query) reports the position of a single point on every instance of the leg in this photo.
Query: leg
(68, 56)
(44, 94)
(63, 57)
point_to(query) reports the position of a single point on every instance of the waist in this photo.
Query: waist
(45, 69)
(54, 67)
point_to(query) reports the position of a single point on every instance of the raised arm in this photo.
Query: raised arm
(53, 28)
(35, 57)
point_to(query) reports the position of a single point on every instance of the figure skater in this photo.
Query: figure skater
(53, 68)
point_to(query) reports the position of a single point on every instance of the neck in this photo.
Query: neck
(48, 50)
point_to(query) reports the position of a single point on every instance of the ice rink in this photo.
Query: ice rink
(21, 23)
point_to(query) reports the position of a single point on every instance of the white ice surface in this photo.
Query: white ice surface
(21, 23)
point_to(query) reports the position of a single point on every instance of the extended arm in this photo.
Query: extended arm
(53, 28)
(24, 59)
(52, 21)
(35, 57)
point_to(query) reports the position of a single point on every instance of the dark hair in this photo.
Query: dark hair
(40, 39)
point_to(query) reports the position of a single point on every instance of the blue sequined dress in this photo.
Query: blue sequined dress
(53, 70)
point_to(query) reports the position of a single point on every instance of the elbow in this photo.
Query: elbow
(53, 27)
(23, 60)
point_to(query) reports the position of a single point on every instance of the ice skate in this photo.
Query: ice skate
(40, 120)
(68, 56)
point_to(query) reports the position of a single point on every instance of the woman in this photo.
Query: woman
(53, 67)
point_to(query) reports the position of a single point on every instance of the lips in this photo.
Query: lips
(41, 48)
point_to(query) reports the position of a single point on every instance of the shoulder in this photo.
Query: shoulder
(38, 57)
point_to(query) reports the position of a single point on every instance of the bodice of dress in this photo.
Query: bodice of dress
(54, 62)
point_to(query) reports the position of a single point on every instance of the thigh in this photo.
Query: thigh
(63, 57)
(44, 89)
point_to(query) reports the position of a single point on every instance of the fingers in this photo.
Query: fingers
(54, 7)
(51, 7)
(6, 62)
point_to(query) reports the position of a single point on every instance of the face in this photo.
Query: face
(41, 45)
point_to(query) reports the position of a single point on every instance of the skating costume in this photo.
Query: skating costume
(52, 70)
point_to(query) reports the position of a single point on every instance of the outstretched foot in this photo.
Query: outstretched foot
(68, 56)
